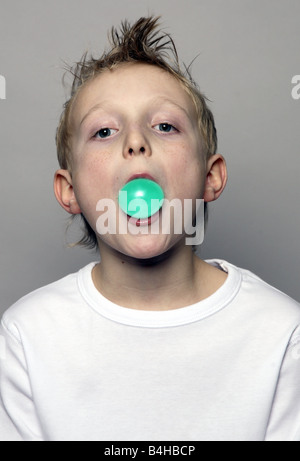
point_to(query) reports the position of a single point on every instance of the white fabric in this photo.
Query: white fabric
(78, 367)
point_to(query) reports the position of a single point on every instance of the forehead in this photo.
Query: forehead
(131, 85)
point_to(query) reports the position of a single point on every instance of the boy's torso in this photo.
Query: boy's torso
(209, 378)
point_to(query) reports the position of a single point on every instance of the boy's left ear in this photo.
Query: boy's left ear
(216, 178)
(64, 192)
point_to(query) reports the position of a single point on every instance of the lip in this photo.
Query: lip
(144, 222)
(140, 175)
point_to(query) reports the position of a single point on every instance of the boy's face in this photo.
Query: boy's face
(136, 119)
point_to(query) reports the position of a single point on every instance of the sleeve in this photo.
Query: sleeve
(18, 418)
(284, 423)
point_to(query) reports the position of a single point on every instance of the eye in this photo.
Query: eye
(165, 127)
(104, 133)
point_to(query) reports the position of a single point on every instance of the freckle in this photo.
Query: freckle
(123, 262)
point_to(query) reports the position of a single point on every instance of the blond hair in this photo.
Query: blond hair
(141, 42)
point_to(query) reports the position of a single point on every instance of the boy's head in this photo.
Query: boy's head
(139, 44)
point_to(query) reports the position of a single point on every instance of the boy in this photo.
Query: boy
(150, 343)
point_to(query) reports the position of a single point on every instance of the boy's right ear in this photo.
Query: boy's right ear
(64, 192)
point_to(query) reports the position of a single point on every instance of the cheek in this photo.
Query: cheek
(92, 181)
(188, 173)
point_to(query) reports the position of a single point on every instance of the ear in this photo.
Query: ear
(216, 178)
(64, 192)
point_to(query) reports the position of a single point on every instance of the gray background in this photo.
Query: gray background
(249, 50)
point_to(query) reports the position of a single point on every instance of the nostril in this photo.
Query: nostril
(131, 151)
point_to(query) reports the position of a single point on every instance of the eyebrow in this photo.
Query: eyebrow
(157, 101)
(90, 111)
(171, 103)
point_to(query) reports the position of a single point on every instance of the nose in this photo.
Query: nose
(136, 144)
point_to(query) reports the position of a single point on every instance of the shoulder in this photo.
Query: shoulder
(257, 295)
(265, 292)
(56, 298)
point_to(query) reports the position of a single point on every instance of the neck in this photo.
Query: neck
(173, 280)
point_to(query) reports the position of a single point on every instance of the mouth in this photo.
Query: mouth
(140, 199)
(143, 222)
(140, 176)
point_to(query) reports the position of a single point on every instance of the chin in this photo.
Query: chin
(154, 247)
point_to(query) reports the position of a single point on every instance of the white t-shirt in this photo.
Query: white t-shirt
(75, 366)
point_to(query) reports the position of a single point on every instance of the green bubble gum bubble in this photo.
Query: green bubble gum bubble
(141, 198)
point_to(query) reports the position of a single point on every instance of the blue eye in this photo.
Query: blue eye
(165, 127)
(104, 133)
